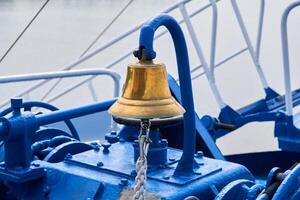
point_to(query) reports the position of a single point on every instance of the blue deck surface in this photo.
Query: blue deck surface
(118, 165)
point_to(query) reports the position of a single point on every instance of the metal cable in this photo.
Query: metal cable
(91, 45)
(106, 28)
(24, 30)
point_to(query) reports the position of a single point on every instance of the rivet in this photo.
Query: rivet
(199, 154)
(96, 148)
(166, 177)
(106, 147)
(100, 164)
(35, 164)
(68, 156)
(124, 181)
(113, 133)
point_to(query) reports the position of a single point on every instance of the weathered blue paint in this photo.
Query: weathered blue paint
(57, 116)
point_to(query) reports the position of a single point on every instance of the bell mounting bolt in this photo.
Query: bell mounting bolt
(140, 53)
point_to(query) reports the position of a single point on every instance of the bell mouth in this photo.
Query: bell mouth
(155, 122)
(151, 109)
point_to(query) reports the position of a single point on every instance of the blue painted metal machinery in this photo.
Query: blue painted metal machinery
(274, 107)
(40, 162)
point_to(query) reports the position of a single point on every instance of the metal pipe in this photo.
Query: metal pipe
(286, 61)
(186, 163)
(61, 115)
(62, 74)
(58, 74)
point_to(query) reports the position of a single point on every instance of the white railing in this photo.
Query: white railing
(64, 74)
(254, 54)
(208, 67)
(286, 60)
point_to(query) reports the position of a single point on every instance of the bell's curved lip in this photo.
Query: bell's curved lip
(155, 122)
(147, 102)
(146, 110)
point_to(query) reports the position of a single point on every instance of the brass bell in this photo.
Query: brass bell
(146, 95)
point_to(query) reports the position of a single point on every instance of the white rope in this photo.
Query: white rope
(141, 163)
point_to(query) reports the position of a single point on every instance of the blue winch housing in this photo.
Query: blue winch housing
(184, 162)
(104, 174)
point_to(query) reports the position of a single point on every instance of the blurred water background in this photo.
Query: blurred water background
(65, 28)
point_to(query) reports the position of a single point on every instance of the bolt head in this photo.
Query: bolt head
(199, 154)
(124, 181)
(16, 102)
(164, 142)
(106, 147)
(35, 164)
(113, 133)
(68, 156)
(100, 164)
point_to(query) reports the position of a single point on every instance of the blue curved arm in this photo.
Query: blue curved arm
(146, 42)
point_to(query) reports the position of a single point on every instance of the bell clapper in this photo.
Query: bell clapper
(141, 163)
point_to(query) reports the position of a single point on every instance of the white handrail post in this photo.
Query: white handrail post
(260, 28)
(213, 38)
(63, 74)
(249, 44)
(201, 57)
(92, 90)
(286, 61)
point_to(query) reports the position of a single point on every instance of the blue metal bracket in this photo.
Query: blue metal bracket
(186, 164)
(30, 104)
(33, 172)
(208, 144)
(16, 132)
